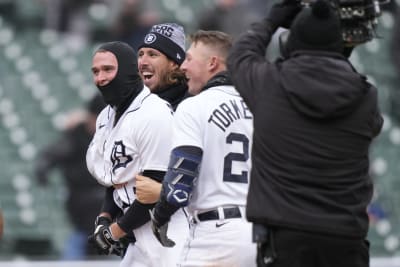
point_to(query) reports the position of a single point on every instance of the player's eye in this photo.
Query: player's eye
(109, 69)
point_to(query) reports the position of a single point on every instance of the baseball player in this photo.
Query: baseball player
(132, 136)
(210, 162)
(160, 55)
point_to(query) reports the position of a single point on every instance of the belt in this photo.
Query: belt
(228, 213)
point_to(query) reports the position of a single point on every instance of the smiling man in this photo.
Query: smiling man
(159, 58)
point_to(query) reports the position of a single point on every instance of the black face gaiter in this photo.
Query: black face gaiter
(127, 83)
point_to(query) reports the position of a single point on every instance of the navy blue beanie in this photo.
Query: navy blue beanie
(169, 39)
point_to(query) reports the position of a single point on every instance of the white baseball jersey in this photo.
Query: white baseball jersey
(219, 122)
(140, 140)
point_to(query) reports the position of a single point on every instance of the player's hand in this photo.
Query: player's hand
(103, 241)
(283, 13)
(147, 190)
(160, 231)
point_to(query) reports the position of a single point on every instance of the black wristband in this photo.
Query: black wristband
(136, 216)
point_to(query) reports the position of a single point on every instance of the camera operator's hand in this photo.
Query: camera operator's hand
(282, 14)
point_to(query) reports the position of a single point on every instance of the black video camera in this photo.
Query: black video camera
(359, 18)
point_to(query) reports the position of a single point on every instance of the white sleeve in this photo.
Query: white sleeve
(95, 151)
(187, 130)
(154, 142)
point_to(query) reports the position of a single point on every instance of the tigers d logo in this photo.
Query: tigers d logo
(150, 38)
(119, 158)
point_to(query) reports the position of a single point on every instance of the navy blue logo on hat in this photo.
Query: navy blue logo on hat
(163, 29)
(150, 38)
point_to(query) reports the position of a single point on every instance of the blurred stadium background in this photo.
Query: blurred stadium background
(45, 72)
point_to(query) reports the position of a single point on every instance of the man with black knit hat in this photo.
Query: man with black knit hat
(132, 136)
(159, 57)
(315, 117)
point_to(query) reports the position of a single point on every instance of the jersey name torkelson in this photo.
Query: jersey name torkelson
(228, 112)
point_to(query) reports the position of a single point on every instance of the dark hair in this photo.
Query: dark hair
(176, 76)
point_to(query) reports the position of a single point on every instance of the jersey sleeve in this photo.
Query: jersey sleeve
(187, 130)
(94, 154)
(154, 140)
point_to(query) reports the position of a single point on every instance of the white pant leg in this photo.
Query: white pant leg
(178, 231)
(229, 245)
(133, 257)
(148, 252)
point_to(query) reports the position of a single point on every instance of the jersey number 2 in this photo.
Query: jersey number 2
(233, 156)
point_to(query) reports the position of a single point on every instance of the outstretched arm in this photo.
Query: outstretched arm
(246, 60)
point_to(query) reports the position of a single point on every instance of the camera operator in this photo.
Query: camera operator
(315, 117)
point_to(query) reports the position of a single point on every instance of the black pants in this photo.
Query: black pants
(291, 248)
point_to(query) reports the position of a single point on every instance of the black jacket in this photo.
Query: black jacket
(314, 120)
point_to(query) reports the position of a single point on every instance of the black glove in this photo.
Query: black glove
(102, 240)
(104, 243)
(282, 14)
(160, 231)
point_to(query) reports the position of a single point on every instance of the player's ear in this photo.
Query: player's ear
(213, 63)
